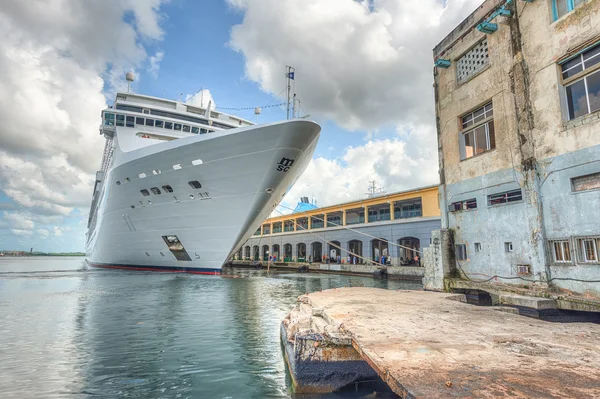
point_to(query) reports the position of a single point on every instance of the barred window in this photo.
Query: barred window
(463, 205)
(588, 249)
(587, 182)
(506, 197)
(472, 62)
(478, 133)
(561, 251)
(563, 7)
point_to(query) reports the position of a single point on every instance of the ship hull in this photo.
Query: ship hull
(244, 174)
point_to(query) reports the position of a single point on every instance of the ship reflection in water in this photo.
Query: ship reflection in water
(67, 330)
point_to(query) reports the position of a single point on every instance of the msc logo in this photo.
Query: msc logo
(285, 164)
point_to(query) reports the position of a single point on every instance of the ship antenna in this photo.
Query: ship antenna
(130, 77)
(291, 90)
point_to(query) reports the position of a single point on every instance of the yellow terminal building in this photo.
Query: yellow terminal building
(390, 229)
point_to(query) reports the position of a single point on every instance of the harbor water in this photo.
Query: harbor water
(71, 331)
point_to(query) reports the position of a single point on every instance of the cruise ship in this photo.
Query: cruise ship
(182, 187)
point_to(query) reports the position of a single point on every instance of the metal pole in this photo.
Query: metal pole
(287, 75)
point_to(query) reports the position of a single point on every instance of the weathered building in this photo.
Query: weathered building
(517, 92)
(397, 226)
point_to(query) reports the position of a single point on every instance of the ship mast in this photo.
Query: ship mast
(291, 92)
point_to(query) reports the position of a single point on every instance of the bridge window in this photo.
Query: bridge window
(186, 128)
(149, 122)
(120, 120)
(139, 121)
(130, 121)
(168, 125)
(109, 119)
(158, 123)
(177, 126)
(195, 129)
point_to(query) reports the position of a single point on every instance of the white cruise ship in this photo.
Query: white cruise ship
(181, 187)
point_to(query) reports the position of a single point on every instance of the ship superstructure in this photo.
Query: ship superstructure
(182, 187)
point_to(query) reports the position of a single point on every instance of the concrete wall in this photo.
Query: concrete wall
(537, 149)
(391, 231)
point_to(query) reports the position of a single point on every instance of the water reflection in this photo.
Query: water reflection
(67, 330)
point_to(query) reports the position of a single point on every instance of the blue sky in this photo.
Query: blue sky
(363, 71)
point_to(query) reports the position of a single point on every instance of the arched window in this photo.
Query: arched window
(379, 250)
(301, 251)
(287, 252)
(276, 251)
(265, 252)
(316, 251)
(255, 254)
(409, 248)
(247, 252)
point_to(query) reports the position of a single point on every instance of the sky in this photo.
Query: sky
(363, 71)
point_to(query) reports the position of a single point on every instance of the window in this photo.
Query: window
(478, 133)
(120, 120)
(149, 122)
(155, 190)
(472, 62)
(160, 124)
(139, 121)
(195, 129)
(203, 131)
(168, 125)
(109, 119)
(504, 198)
(168, 188)
(588, 249)
(587, 182)
(561, 251)
(563, 7)
(461, 251)
(142, 175)
(508, 247)
(118, 183)
(477, 247)
(130, 121)
(146, 111)
(186, 128)
(581, 77)
(156, 171)
(195, 184)
(177, 126)
(145, 193)
(129, 108)
(463, 205)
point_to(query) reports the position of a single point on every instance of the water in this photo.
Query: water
(68, 330)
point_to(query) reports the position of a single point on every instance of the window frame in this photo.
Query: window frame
(562, 242)
(505, 195)
(582, 251)
(570, 7)
(461, 251)
(578, 77)
(464, 205)
(464, 131)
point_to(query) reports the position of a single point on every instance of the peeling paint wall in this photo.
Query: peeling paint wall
(536, 150)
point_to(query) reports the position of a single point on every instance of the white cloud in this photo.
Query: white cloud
(394, 163)
(22, 233)
(202, 98)
(43, 233)
(56, 60)
(361, 63)
(155, 61)
(58, 232)
(19, 220)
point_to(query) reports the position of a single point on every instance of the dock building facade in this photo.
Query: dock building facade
(517, 95)
(394, 226)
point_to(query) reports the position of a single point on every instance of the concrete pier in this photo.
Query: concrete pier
(432, 345)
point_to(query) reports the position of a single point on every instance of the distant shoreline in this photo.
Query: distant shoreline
(11, 254)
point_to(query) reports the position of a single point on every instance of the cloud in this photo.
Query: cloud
(360, 63)
(58, 232)
(201, 98)
(396, 164)
(22, 233)
(19, 220)
(57, 61)
(43, 233)
(155, 61)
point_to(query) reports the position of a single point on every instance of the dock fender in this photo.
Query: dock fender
(380, 273)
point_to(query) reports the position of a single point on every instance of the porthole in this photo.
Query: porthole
(162, 254)
(177, 166)
(127, 179)
(132, 206)
(192, 196)
(155, 190)
(118, 183)
(195, 184)
(197, 162)
(149, 202)
(145, 193)
(147, 254)
(156, 171)
(168, 188)
(142, 175)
